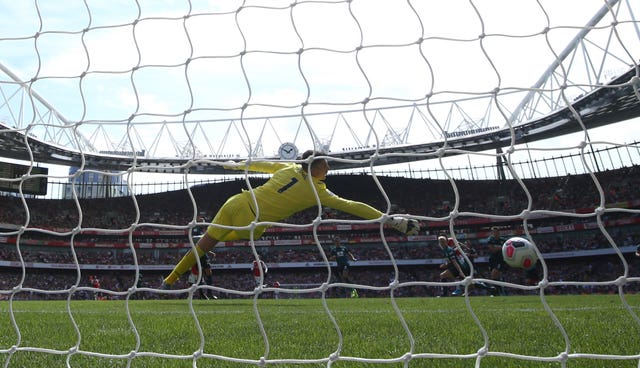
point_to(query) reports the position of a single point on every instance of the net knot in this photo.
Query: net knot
(563, 357)
(407, 357)
(333, 357)
(482, 351)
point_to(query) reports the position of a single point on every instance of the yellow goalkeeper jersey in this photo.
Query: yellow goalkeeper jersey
(290, 190)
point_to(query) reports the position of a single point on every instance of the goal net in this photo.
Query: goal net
(119, 121)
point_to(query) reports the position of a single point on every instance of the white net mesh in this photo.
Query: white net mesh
(181, 87)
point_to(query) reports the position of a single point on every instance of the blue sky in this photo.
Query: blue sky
(247, 62)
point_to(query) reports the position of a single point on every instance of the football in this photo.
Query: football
(519, 253)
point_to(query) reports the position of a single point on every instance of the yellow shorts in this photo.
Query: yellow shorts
(236, 211)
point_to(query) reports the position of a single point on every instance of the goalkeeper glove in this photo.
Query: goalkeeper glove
(404, 225)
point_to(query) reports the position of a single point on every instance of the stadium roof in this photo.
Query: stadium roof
(611, 103)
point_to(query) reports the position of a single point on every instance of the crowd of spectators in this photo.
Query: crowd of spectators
(577, 276)
(424, 197)
(623, 236)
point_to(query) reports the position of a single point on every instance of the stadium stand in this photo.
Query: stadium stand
(574, 247)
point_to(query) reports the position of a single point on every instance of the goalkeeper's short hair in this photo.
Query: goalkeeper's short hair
(309, 153)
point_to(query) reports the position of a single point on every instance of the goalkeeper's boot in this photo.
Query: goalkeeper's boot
(354, 293)
(458, 292)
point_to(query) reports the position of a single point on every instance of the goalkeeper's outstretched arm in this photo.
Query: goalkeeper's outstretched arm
(404, 225)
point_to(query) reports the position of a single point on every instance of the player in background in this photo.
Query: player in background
(207, 273)
(532, 275)
(292, 188)
(197, 231)
(259, 271)
(457, 266)
(496, 261)
(343, 256)
(95, 283)
(139, 294)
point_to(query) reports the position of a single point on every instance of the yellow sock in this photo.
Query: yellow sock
(183, 266)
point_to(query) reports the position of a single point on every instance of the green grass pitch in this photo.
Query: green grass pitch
(300, 332)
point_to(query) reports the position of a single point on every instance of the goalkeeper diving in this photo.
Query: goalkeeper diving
(292, 188)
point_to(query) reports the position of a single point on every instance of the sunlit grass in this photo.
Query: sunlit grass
(434, 332)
